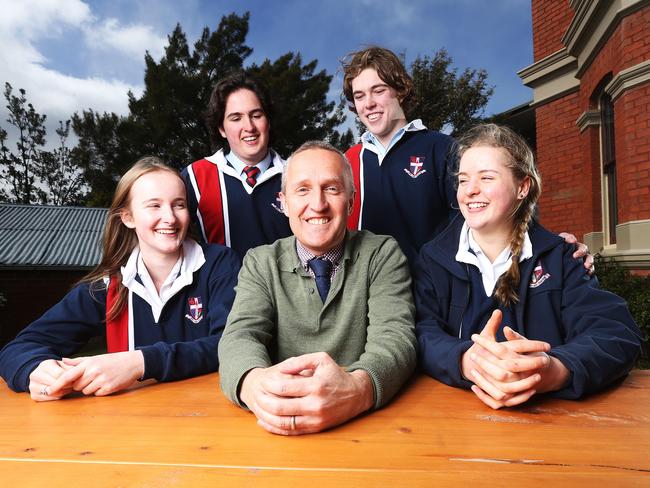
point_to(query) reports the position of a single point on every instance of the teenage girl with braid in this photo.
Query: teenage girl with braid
(502, 306)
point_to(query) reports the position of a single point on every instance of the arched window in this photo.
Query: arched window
(608, 149)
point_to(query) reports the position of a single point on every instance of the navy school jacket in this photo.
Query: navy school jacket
(177, 347)
(228, 211)
(590, 330)
(410, 195)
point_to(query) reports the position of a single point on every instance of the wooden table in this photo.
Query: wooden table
(187, 434)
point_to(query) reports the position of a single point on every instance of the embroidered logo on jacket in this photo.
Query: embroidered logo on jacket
(196, 309)
(278, 207)
(416, 164)
(539, 275)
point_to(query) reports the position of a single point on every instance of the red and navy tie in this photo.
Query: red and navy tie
(251, 175)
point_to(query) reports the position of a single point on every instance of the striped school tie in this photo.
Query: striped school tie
(251, 175)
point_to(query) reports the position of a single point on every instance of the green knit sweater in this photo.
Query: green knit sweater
(367, 321)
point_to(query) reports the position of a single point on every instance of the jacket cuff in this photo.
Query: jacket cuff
(232, 380)
(454, 360)
(20, 381)
(153, 363)
(576, 384)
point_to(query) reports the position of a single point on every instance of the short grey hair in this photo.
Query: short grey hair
(348, 178)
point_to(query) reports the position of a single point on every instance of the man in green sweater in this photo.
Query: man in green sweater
(322, 325)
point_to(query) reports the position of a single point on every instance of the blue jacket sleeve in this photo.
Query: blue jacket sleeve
(601, 339)
(440, 348)
(60, 332)
(176, 361)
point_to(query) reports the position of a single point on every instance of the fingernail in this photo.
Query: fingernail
(472, 356)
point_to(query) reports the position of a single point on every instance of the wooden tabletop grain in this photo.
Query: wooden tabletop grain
(187, 434)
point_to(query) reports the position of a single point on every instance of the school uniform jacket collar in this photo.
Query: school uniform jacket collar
(369, 141)
(191, 261)
(444, 247)
(219, 160)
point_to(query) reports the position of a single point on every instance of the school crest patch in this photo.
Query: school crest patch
(415, 166)
(539, 275)
(195, 309)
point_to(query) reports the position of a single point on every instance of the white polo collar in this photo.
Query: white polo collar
(371, 142)
(470, 252)
(181, 275)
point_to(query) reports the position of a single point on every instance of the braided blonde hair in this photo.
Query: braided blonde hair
(522, 164)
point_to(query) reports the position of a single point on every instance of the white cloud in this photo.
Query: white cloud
(26, 24)
(132, 40)
(32, 18)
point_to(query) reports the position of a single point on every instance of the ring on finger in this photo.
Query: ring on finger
(293, 422)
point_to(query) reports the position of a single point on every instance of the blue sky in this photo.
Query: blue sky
(71, 54)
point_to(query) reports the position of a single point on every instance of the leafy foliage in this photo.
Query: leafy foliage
(444, 98)
(301, 112)
(634, 289)
(32, 174)
(168, 119)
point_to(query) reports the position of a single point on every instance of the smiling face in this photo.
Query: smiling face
(487, 191)
(316, 200)
(245, 126)
(158, 213)
(377, 105)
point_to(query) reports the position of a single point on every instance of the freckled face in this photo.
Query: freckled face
(315, 199)
(487, 191)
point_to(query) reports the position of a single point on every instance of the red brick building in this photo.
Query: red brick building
(591, 85)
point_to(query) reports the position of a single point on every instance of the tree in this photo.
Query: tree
(301, 110)
(168, 119)
(442, 98)
(32, 174)
(60, 173)
(445, 99)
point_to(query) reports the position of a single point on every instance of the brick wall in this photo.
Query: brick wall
(570, 161)
(632, 124)
(551, 18)
(566, 201)
(628, 46)
(635, 37)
